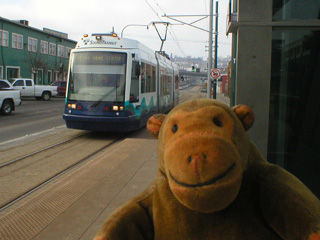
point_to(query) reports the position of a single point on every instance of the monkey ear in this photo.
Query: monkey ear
(154, 124)
(245, 114)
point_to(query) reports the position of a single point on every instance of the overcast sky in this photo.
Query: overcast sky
(77, 17)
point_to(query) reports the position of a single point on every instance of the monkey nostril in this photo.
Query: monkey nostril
(197, 157)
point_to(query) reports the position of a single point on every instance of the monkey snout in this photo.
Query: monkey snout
(197, 162)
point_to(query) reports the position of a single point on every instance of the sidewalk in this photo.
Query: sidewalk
(222, 98)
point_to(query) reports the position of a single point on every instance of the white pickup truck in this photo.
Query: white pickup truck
(29, 89)
(9, 98)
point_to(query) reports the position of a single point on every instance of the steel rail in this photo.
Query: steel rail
(39, 151)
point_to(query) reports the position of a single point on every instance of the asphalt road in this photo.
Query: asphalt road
(32, 117)
(36, 117)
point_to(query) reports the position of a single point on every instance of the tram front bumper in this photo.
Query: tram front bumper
(102, 124)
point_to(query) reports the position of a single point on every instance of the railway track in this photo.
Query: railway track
(25, 175)
(5, 164)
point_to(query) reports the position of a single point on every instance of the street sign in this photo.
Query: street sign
(215, 73)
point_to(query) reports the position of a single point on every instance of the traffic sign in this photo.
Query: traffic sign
(215, 73)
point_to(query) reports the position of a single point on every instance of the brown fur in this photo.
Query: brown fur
(213, 183)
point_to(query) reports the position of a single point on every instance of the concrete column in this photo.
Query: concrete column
(254, 48)
(253, 78)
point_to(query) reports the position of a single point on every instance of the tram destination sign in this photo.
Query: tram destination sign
(100, 58)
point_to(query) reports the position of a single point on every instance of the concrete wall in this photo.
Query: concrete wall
(254, 10)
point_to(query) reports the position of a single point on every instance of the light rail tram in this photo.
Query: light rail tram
(116, 84)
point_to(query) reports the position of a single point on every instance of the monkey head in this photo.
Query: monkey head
(203, 150)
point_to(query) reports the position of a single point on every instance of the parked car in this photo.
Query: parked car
(61, 87)
(5, 84)
(9, 98)
(29, 89)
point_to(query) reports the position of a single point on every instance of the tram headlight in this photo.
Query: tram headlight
(98, 37)
(72, 105)
(79, 107)
(117, 108)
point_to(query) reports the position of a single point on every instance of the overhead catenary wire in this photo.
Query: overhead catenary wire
(154, 11)
(170, 32)
(159, 6)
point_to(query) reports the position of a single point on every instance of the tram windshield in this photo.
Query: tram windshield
(97, 76)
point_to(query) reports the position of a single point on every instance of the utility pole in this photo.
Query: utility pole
(216, 51)
(209, 86)
(216, 39)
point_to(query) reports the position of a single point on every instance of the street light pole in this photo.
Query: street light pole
(209, 86)
(135, 25)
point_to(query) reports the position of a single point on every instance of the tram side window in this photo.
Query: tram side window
(170, 83)
(148, 78)
(153, 80)
(143, 77)
(176, 81)
(165, 82)
(134, 91)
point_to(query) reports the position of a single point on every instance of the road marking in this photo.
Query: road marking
(32, 135)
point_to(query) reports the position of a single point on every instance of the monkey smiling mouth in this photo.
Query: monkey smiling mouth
(207, 183)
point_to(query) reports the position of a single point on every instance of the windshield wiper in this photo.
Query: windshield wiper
(102, 98)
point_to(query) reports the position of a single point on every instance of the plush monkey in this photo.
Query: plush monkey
(213, 183)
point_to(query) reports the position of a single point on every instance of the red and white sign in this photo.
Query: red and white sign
(215, 73)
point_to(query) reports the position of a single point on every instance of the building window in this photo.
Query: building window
(49, 76)
(68, 51)
(32, 44)
(56, 76)
(44, 47)
(4, 38)
(13, 72)
(17, 41)
(295, 9)
(294, 118)
(52, 49)
(61, 51)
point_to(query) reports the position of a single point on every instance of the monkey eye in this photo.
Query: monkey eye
(217, 122)
(174, 128)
